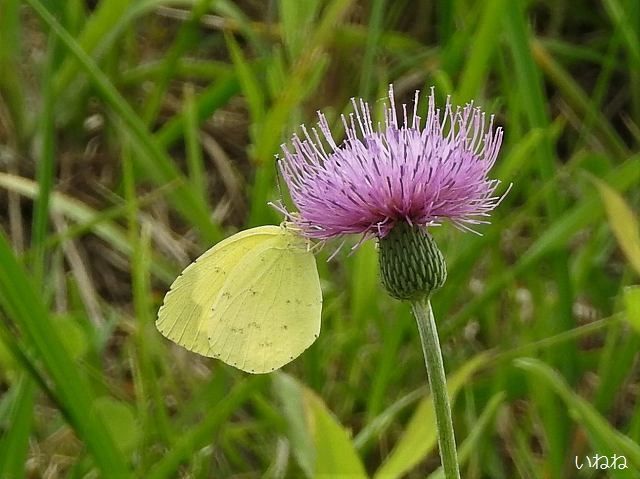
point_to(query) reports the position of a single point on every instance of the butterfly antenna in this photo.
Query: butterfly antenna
(275, 165)
(279, 204)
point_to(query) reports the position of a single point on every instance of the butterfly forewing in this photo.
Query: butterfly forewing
(187, 306)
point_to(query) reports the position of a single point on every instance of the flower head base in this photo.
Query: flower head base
(411, 265)
(400, 172)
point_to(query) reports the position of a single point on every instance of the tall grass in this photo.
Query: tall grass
(133, 135)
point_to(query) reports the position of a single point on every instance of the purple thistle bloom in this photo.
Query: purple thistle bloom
(405, 172)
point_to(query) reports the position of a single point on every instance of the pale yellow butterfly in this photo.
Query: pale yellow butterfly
(252, 300)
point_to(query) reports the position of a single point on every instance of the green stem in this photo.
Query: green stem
(438, 384)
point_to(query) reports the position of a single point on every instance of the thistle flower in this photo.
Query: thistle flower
(399, 172)
(391, 182)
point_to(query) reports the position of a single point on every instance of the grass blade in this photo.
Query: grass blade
(196, 438)
(195, 162)
(474, 440)
(98, 26)
(153, 158)
(484, 43)
(207, 102)
(556, 236)
(419, 437)
(99, 222)
(186, 37)
(14, 443)
(376, 27)
(623, 222)
(604, 437)
(24, 307)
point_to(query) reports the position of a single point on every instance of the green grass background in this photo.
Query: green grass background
(136, 134)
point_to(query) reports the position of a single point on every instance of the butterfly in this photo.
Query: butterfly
(253, 300)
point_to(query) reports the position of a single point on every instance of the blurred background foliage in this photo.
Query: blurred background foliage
(135, 134)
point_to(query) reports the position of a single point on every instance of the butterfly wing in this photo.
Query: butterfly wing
(268, 310)
(187, 306)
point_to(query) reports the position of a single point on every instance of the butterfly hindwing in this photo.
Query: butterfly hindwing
(268, 310)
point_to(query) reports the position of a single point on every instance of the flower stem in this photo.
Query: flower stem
(438, 384)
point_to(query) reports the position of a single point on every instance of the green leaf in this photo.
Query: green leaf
(289, 392)
(420, 436)
(322, 446)
(623, 222)
(631, 296)
(120, 421)
(74, 338)
(335, 454)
